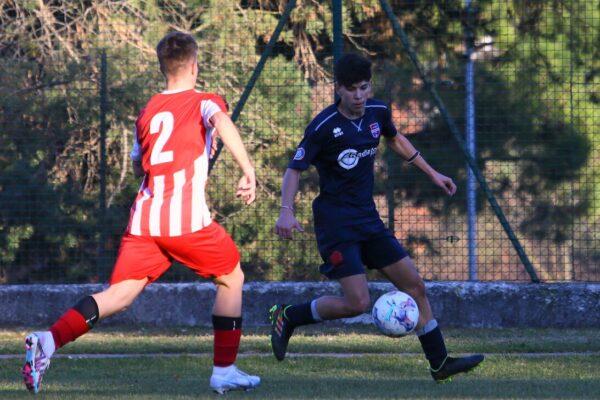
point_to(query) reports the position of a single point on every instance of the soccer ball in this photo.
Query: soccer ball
(395, 314)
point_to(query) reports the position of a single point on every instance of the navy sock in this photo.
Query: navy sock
(299, 314)
(434, 347)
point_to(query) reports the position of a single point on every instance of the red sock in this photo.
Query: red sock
(227, 343)
(68, 327)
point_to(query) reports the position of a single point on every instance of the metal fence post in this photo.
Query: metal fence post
(470, 137)
(102, 272)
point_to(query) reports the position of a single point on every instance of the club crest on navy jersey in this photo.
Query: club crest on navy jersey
(375, 131)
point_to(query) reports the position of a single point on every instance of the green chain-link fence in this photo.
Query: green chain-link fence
(74, 75)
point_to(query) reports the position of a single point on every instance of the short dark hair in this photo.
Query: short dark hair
(352, 68)
(175, 50)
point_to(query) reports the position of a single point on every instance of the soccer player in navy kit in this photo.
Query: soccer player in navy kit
(342, 142)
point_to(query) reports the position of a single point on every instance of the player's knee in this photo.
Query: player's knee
(240, 276)
(417, 290)
(234, 279)
(125, 301)
(359, 306)
(122, 299)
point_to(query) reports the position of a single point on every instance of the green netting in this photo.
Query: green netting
(536, 79)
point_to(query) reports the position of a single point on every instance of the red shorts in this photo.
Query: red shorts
(210, 252)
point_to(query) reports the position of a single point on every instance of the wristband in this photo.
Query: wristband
(414, 157)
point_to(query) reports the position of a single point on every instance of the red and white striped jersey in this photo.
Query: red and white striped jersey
(173, 138)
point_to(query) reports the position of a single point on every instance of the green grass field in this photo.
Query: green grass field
(325, 362)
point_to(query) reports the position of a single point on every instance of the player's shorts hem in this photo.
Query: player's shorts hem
(209, 252)
(352, 258)
(336, 274)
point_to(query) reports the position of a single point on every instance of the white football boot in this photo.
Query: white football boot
(231, 378)
(39, 346)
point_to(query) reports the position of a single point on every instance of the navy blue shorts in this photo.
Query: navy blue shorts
(346, 251)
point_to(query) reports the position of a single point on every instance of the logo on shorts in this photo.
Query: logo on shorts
(336, 258)
(299, 154)
(375, 131)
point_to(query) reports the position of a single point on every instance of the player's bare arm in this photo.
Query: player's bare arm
(287, 223)
(402, 146)
(230, 136)
(213, 144)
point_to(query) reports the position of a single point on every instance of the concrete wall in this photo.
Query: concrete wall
(455, 304)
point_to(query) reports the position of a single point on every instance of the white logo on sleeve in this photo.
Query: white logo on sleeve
(349, 158)
(299, 154)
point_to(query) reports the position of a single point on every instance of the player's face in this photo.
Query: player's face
(354, 98)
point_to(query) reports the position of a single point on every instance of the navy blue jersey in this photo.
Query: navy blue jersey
(343, 151)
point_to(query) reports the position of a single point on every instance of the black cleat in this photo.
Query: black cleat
(281, 330)
(452, 366)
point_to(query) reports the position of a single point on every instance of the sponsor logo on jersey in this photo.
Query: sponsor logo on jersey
(349, 158)
(375, 131)
(299, 154)
(337, 131)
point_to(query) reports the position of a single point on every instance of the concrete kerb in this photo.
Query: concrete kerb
(455, 304)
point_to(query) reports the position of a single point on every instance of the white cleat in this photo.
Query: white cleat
(36, 361)
(233, 379)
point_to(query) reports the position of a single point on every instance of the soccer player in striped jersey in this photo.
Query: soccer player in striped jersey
(342, 142)
(170, 219)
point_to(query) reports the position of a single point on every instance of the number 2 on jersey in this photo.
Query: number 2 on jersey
(164, 122)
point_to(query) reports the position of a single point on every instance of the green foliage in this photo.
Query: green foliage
(535, 73)
(537, 113)
(272, 122)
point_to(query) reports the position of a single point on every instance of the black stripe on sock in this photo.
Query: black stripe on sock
(88, 308)
(226, 323)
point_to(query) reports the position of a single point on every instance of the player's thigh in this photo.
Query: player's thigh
(209, 252)
(139, 257)
(404, 275)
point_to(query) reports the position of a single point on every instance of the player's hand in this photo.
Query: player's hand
(246, 189)
(287, 224)
(446, 183)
